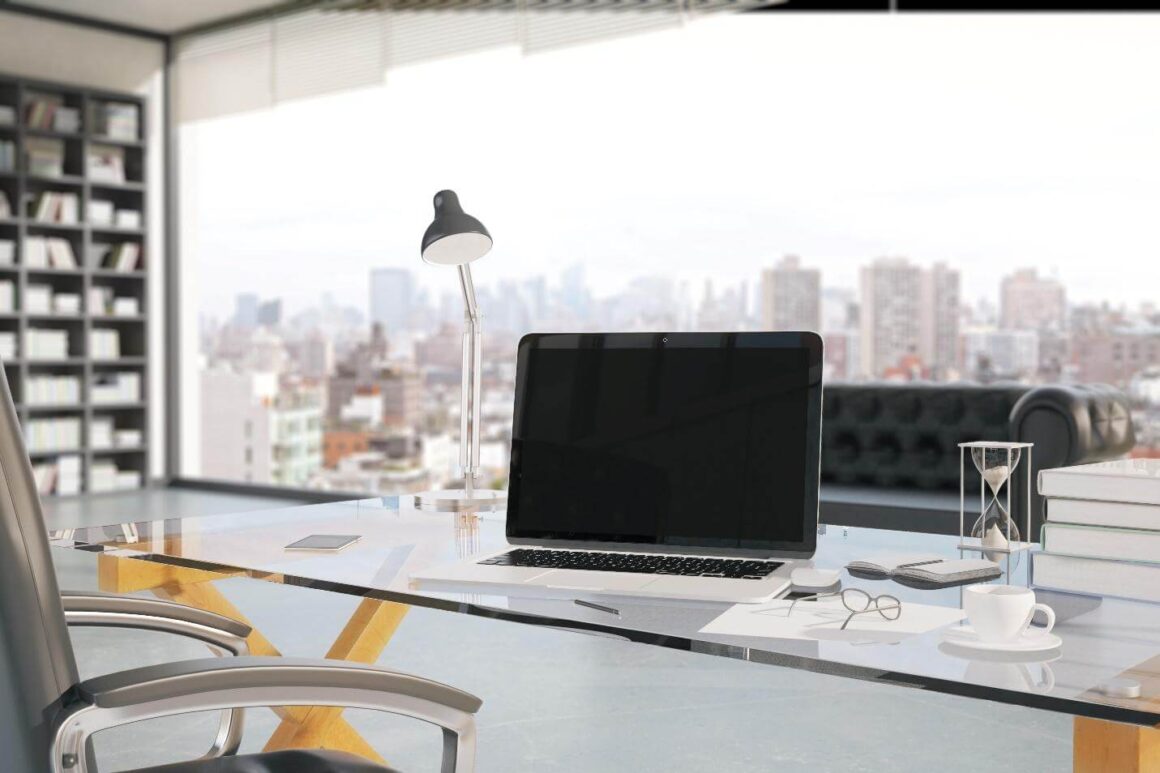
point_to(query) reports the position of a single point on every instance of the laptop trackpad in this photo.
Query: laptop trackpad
(579, 580)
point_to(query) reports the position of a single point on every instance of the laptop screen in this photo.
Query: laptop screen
(688, 440)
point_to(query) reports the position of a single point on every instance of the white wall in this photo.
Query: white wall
(71, 54)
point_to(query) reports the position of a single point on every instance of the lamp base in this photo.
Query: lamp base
(461, 500)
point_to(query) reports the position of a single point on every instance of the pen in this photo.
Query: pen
(598, 607)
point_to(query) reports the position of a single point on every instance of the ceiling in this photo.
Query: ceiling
(163, 16)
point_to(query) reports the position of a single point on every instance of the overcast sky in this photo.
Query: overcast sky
(712, 149)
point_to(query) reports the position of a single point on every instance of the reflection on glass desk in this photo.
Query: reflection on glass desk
(1105, 641)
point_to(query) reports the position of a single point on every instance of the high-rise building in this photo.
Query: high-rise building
(245, 311)
(1028, 301)
(909, 315)
(392, 295)
(258, 430)
(1115, 357)
(315, 356)
(939, 323)
(891, 290)
(791, 296)
(990, 355)
(399, 388)
(270, 313)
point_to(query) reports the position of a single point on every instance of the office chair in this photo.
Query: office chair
(48, 716)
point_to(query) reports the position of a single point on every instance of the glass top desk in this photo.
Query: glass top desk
(1103, 639)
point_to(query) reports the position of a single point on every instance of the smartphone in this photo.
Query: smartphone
(328, 542)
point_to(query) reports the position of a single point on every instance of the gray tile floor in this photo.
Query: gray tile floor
(556, 701)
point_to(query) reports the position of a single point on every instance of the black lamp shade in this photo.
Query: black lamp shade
(454, 237)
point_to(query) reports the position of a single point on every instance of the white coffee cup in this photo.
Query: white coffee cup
(1001, 613)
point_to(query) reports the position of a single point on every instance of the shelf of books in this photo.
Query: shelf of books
(74, 260)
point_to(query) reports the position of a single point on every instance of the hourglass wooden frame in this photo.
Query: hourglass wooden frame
(968, 542)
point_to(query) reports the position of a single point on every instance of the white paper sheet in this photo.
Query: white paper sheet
(822, 620)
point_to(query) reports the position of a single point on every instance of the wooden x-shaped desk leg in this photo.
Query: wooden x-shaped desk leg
(362, 640)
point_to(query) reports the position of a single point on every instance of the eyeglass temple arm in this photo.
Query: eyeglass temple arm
(874, 608)
(813, 597)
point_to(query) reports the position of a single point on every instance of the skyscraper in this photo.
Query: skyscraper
(791, 296)
(939, 307)
(1030, 302)
(392, 295)
(891, 291)
(908, 312)
(246, 311)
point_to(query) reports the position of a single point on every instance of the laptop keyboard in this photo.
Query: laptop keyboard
(638, 563)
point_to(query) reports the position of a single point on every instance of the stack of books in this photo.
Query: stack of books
(55, 207)
(44, 390)
(60, 477)
(122, 257)
(48, 252)
(117, 120)
(104, 344)
(50, 113)
(111, 388)
(1102, 534)
(52, 434)
(106, 164)
(46, 344)
(45, 158)
(106, 476)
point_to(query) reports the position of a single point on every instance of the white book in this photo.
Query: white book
(7, 345)
(70, 208)
(1101, 542)
(127, 438)
(128, 479)
(38, 299)
(1126, 515)
(1122, 480)
(1096, 576)
(126, 307)
(101, 432)
(36, 252)
(101, 212)
(128, 218)
(127, 255)
(60, 254)
(66, 303)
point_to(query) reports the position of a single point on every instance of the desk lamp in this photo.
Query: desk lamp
(455, 238)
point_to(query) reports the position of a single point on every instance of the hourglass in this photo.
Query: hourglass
(994, 531)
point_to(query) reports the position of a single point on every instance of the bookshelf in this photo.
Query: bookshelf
(74, 310)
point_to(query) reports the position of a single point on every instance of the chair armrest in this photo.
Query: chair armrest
(243, 682)
(222, 634)
(107, 609)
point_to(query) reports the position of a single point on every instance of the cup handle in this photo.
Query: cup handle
(1047, 611)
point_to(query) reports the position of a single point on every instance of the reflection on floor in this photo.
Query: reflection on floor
(556, 701)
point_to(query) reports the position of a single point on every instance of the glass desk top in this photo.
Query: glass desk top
(1104, 639)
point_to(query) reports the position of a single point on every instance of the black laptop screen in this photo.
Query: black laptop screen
(694, 440)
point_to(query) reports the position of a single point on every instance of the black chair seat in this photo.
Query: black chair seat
(290, 761)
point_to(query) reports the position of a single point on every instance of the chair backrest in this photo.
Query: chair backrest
(37, 669)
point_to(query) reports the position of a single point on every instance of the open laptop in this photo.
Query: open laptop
(679, 465)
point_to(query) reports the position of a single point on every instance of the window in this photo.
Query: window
(922, 190)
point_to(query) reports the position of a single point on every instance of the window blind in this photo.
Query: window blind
(329, 49)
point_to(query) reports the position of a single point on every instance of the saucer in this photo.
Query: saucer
(1032, 640)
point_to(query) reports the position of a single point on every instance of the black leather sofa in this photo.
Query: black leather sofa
(890, 455)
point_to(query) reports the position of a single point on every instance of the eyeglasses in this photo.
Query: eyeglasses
(859, 602)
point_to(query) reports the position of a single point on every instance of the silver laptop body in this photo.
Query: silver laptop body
(650, 422)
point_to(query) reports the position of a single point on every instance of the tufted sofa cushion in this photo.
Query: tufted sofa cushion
(906, 436)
